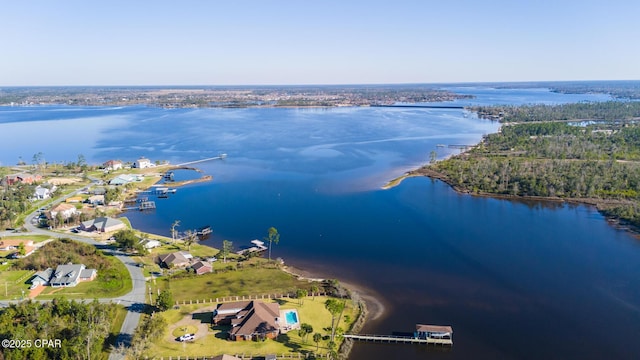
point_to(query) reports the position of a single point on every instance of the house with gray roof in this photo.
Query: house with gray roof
(71, 274)
(102, 224)
(41, 277)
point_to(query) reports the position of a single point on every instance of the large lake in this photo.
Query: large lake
(516, 280)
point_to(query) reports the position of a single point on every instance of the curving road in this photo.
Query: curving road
(134, 300)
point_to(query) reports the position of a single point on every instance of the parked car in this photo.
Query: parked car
(187, 337)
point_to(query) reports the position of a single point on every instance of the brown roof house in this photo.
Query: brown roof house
(65, 210)
(202, 267)
(175, 259)
(250, 320)
(14, 244)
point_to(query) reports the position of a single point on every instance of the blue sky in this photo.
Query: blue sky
(243, 42)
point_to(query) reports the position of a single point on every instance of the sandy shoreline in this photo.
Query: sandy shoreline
(375, 306)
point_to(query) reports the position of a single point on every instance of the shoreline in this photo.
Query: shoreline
(376, 309)
(598, 204)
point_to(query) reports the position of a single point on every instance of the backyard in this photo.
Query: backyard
(197, 318)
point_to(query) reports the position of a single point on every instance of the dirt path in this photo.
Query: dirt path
(188, 320)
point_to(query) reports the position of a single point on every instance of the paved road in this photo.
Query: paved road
(134, 300)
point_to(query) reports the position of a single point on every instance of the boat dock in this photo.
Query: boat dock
(398, 339)
(147, 205)
(424, 334)
(257, 248)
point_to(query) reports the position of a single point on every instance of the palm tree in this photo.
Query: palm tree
(317, 337)
(273, 237)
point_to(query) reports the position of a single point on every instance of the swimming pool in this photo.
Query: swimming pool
(291, 317)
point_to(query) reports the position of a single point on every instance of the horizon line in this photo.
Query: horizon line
(327, 84)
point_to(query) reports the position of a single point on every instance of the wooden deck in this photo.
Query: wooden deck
(398, 339)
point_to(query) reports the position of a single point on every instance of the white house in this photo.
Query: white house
(150, 244)
(112, 165)
(42, 193)
(143, 163)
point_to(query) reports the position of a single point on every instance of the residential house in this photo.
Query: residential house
(24, 178)
(71, 274)
(42, 193)
(41, 278)
(73, 199)
(150, 244)
(143, 163)
(102, 224)
(14, 244)
(124, 179)
(250, 320)
(175, 259)
(202, 267)
(112, 165)
(64, 209)
(96, 200)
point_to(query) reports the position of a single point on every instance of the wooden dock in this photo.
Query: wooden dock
(398, 339)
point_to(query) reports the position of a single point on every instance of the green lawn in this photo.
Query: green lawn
(312, 311)
(13, 283)
(247, 281)
(113, 282)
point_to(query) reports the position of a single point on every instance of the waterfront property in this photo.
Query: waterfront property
(289, 320)
(102, 224)
(175, 259)
(250, 320)
(142, 163)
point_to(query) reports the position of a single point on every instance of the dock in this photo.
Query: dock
(398, 339)
(257, 248)
(147, 205)
(424, 334)
(219, 157)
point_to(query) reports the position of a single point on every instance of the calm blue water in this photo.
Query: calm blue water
(516, 280)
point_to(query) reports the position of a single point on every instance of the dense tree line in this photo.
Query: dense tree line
(610, 110)
(14, 200)
(554, 159)
(80, 328)
(64, 251)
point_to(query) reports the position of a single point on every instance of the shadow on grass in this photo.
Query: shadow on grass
(203, 317)
(288, 342)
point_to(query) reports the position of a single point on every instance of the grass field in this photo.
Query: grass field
(214, 342)
(247, 281)
(13, 284)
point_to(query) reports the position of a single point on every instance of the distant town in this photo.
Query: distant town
(185, 97)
